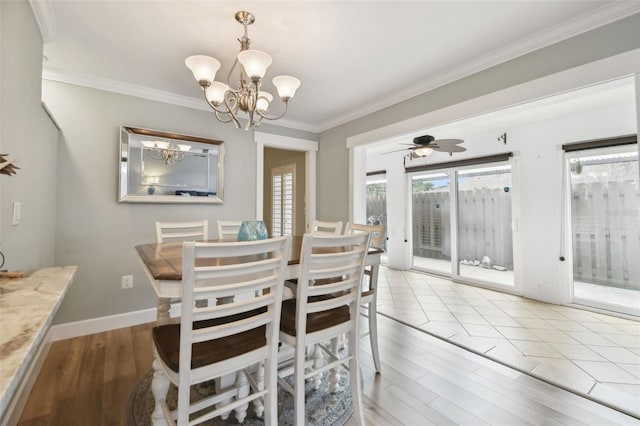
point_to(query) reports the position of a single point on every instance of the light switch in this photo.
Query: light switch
(17, 207)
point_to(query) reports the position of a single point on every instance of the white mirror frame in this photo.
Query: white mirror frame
(128, 134)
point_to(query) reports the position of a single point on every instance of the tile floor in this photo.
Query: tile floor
(589, 353)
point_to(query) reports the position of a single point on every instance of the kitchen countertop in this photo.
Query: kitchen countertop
(27, 307)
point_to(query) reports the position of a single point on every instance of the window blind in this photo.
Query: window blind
(600, 143)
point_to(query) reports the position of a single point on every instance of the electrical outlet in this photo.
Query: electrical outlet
(127, 281)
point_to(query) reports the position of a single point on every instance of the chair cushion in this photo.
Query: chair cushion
(315, 322)
(167, 341)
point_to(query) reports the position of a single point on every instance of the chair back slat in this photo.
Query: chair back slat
(228, 229)
(227, 289)
(376, 231)
(326, 228)
(228, 309)
(219, 331)
(183, 231)
(331, 303)
(244, 267)
(334, 287)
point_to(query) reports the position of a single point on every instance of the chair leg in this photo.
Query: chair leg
(355, 377)
(159, 388)
(299, 388)
(271, 398)
(258, 406)
(373, 334)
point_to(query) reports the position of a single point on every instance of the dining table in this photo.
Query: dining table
(162, 263)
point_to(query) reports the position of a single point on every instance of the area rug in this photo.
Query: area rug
(322, 407)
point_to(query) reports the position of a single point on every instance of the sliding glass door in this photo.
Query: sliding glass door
(485, 239)
(377, 204)
(461, 221)
(605, 227)
(431, 222)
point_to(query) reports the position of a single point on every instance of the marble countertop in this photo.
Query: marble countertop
(27, 307)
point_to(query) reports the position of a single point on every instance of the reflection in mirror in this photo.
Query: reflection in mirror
(161, 167)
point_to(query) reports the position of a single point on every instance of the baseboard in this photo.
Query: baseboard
(20, 398)
(99, 325)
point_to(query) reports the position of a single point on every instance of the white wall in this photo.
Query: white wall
(30, 138)
(537, 189)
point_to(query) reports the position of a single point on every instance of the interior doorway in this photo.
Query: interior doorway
(274, 151)
(284, 187)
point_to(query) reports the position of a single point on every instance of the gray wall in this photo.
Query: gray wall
(333, 156)
(29, 137)
(96, 232)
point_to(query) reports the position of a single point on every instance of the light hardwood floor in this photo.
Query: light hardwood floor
(425, 381)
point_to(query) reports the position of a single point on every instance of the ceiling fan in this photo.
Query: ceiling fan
(424, 145)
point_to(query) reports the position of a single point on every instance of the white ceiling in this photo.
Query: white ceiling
(353, 57)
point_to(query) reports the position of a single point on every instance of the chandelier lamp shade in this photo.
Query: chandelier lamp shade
(245, 94)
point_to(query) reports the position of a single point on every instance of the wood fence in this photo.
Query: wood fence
(484, 226)
(606, 229)
(606, 233)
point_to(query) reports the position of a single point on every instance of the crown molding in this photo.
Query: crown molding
(45, 18)
(144, 92)
(588, 21)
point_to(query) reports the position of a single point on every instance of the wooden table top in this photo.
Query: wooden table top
(164, 260)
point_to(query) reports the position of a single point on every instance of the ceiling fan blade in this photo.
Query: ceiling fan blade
(447, 142)
(397, 150)
(448, 148)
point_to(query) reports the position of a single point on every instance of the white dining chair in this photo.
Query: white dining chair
(227, 229)
(321, 313)
(326, 228)
(219, 340)
(369, 297)
(182, 231)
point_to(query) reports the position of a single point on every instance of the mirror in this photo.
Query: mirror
(161, 167)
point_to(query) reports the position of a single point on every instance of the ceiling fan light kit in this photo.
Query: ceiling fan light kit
(227, 100)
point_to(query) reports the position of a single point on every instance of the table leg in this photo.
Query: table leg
(318, 362)
(164, 306)
(242, 384)
(334, 375)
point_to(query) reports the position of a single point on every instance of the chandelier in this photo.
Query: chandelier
(244, 95)
(167, 152)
